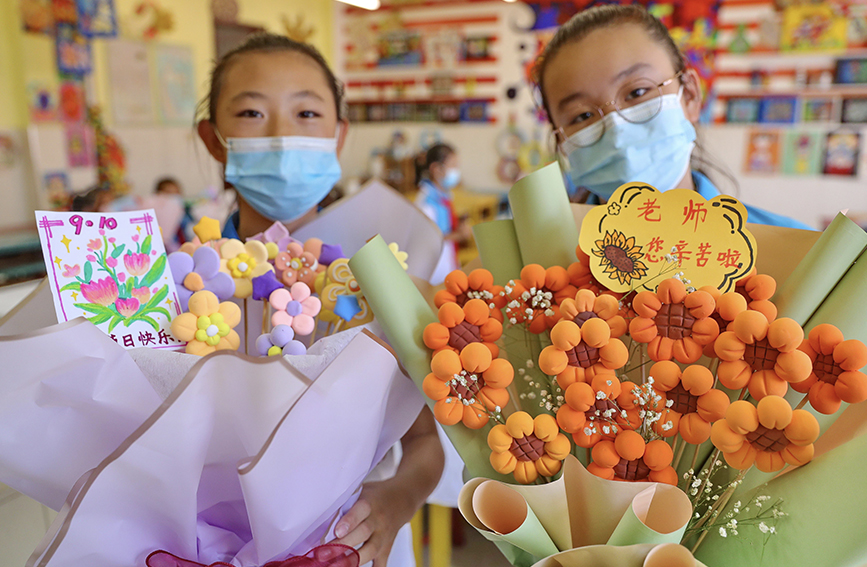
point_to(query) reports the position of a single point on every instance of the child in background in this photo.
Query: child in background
(623, 105)
(168, 204)
(275, 117)
(440, 175)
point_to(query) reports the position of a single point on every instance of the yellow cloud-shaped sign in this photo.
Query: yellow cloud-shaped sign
(642, 236)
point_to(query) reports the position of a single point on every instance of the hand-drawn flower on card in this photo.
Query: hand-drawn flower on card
(101, 292)
(621, 257)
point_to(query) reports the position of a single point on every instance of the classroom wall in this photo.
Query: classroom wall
(152, 150)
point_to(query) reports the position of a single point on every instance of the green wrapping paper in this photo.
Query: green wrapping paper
(824, 501)
(403, 314)
(820, 270)
(546, 230)
(498, 249)
(844, 306)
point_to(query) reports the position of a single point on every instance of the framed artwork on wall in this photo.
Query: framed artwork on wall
(778, 110)
(854, 111)
(743, 110)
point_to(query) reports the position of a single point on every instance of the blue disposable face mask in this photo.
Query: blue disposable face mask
(282, 177)
(451, 178)
(656, 152)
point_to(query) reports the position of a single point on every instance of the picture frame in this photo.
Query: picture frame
(850, 71)
(742, 110)
(820, 109)
(778, 110)
(854, 110)
(842, 152)
(763, 152)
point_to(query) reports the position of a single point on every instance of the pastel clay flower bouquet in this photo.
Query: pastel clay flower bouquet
(287, 276)
(709, 391)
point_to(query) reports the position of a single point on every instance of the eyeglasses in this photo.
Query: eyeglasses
(637, 102)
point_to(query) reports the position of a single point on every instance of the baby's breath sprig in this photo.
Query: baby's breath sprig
(758, 512)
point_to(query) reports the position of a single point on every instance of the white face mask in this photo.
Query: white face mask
(655, 152)
(451, 178)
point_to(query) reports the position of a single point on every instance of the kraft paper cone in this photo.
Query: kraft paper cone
(820, 270)
(580, 510)
(658, 514)
(544, 224)
(643, 555)
(504, 512)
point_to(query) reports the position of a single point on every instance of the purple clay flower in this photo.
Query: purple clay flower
(200, 271)
(280, 341)
(276, 233)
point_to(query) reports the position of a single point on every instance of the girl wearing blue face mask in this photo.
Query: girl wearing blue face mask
(440, 175)
(275, 119)
(622, 105)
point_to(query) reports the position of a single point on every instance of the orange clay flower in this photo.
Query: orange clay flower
(536, 297)
(761, 355)
(582, 278)
(673, 322)
(587, 305)
(460, 288)
(836, 375)
(460, 326)
(628, 458)
(577, 354)
(727, 307)
(769, 434)
(590, 412)
(528, 447)
(689, 402)
(466, 386)
(758, 289)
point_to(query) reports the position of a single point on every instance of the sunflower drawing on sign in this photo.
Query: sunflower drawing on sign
(620, 257)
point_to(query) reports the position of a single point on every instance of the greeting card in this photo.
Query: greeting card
(111, 269)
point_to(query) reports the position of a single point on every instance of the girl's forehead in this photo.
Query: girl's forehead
(599, 60)
(274, 71)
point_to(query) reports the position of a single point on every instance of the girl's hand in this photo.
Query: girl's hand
(385, 506)
(374, 520)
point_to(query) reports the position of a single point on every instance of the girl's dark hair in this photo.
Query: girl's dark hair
(438, 153)
(263, 42)
(597, 17)
(587, 21)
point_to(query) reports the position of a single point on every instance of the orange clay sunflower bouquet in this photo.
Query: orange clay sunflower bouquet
(609, 354)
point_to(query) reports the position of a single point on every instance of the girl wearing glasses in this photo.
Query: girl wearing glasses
(622, 104)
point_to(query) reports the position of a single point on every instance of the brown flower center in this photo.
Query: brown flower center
(619, 258)
(462, 299)
(584, 316)
(826, 369)
(761, 355)
(466, 386)
(771, 440)
(684, 402)
(582, 356)
(463, 334)
(529, 448)
(674, 321)
(631, 470)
